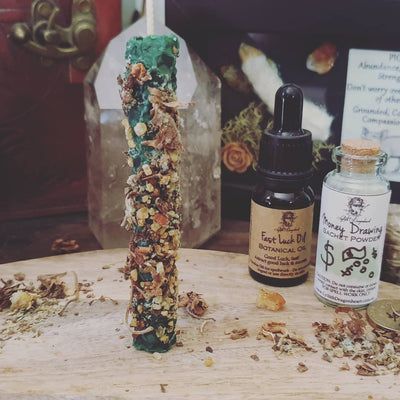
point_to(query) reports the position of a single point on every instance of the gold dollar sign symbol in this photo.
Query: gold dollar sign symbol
(329, 260)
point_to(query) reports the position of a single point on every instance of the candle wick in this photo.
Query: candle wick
(150, 16)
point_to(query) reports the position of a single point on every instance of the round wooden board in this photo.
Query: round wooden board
(86, 354)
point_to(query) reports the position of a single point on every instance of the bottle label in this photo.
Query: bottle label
(280, 241)
(350, 246)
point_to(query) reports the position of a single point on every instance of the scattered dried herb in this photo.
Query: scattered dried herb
(209, 349)
(28, 305)
(204, 323)
(366, 370)
(283, 340)
(327, 357)
(209, 362)
(103, 299)
(344, 367)
(53, 286)
(351, 336)
(163, 387)
(255, 357)
(19, 276)
(301, 367)
(62, 246)
(238, 333)
(6, 291)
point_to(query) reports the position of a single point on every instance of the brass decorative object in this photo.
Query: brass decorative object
(52, 41)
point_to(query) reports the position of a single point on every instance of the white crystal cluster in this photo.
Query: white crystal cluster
(200, 126)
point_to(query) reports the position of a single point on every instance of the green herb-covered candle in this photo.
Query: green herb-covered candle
(153, 198)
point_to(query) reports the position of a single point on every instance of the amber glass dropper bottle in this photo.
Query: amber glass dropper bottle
(282, 201)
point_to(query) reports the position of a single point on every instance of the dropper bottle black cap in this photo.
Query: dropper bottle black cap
(286, 149)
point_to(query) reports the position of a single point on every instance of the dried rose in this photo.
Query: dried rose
(236, 157)
(194, 303)
(139, 72)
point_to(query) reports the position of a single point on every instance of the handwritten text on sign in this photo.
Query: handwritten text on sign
(372, 102)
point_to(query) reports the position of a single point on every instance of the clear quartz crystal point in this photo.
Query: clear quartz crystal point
(198, 88)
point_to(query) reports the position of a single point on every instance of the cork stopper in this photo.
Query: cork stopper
(359, 147)
(359, 155)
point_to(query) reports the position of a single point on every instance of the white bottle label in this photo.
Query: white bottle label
(350, 247)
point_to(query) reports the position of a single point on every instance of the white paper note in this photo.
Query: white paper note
(372, 102)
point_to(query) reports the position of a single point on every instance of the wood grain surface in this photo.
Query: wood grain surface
(87, 353)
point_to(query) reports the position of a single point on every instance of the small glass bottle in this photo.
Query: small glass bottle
(354, 207)
(282, 201)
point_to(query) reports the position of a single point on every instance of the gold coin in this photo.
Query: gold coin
(385, 313)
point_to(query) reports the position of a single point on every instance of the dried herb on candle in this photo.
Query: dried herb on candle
(152, 198)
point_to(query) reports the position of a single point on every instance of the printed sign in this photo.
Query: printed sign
(372, 102)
